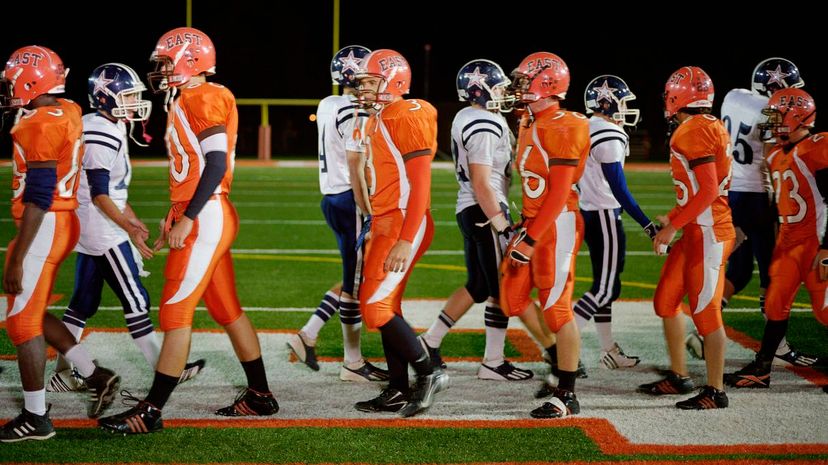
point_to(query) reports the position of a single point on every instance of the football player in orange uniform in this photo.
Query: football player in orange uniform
(400, 138)
(202, 224)
(46, 157)
(695, 266)
(553, 145)
(798, 165)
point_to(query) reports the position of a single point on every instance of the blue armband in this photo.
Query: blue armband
(614, 173)
(98, 182)
(40, 187)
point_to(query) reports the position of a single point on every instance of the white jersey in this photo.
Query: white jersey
(105, 147)
(481, 137)
(335, 120)
(741, 112)
(608, 144)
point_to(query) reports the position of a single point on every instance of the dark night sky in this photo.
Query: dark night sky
(287, 54)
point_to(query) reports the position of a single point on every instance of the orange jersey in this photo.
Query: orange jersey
(199, 107)
(401, 128)
(698, 138)
(554, 136)
(46, 134)
(793, 176)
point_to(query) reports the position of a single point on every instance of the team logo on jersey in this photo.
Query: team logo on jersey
(604, 92)
(350, 62)
(476, 78)
(777, 76)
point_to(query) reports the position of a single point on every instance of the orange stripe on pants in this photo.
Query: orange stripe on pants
(695, 267)
(380, 294)
(202, 268)
(54, 241)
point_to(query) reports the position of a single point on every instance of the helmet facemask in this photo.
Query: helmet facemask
(164, 74)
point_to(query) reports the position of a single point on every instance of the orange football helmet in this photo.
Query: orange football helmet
(179, 55)
(689, 87)
(392, 69)
(788, 110)
(30, 72)
(540, 75)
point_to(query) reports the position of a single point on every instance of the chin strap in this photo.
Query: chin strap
(147, 138)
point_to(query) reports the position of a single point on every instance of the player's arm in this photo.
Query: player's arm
(213, 143)
(99, 191)
(559, 184)
(486, 197)
(481, 147)
(821, 259)
(41, 179)
(418, 170)
(614, 173)
(356, 171)
(704, 169)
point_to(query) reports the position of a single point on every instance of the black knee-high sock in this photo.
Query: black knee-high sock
(397, 368)
(162, 387)
(774, 333)
(404, 343)
(256, 376)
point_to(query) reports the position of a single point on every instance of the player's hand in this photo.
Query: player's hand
(162, 237)
(821, 263)
(740, 237)
(652, 229)
(139, 239)
(397, 258)
(179, 232)
(663, 238)
(13, 278)
(521, 250)
(136, 223)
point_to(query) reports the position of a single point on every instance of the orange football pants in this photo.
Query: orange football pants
(791, 265)
(202, 268)
(695, 267)
(53, 242)
(551, 270)
(381, 293)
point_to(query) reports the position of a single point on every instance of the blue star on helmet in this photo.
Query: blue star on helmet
(777, 76)
(604, 92)
(476, 78)
(101, 82)
(350, 62)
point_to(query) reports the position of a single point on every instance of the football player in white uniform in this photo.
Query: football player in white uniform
(482, 150)
(340, 154)
(112, 239)
(604, 194)
(754, 214)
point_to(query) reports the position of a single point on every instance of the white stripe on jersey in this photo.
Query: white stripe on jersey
(336, 117)
(741, 112)
(481, 137)
(105, 147)
(608, 144)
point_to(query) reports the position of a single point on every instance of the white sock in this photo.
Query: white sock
(783, 348)
(351, 321)
(150, 347)
(79, 356)
(438, 330)
(496, 323)
(603, 326)
(35, 401)
(326, 309)
(75, 330)
(580, 321)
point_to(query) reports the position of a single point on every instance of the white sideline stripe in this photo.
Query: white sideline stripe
(335, 252)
